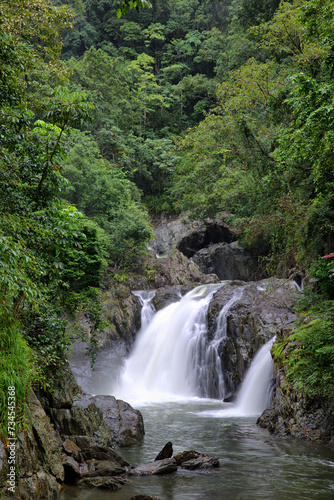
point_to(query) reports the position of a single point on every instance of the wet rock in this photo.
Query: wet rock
(72, 469)
(38, 457)
(104, 468)
(166, 466)
(228, 261)
(297, 416)
(105, 482)
(83, 419)
(71, 448)
(124, 422)
(193, 460)
(257, 311)
(90, 450)
(166, 452)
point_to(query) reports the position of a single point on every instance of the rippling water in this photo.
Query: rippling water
(254, 465)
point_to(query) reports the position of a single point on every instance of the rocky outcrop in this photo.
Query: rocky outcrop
(189, 236)
(298, 416)
(104, 419)
(72, 442)
(37, 455)
(228, 261)
(125, 423)
(190, 460)
(254, 313)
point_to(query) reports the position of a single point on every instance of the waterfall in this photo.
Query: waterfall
(213, 371)
(168, 355)
(173, 357)
(255, 392)
(147, 312)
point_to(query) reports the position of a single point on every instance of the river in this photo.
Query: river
(160, 380)
(253, 465)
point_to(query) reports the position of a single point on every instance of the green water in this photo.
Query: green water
(253, 464)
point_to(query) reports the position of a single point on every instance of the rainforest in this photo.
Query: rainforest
(118, 118)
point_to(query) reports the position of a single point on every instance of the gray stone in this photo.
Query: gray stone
(261, 310)
(105, 482)
(124, 422)
(166, 452)
(166, 466)
(194, 460)
(228, 261)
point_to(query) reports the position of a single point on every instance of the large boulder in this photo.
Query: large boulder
(243, 317)
(189, 236)
(104, 418)
(228, 261)
(125, 423)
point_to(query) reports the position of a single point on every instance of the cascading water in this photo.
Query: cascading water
(147, 312)
(173, 357)
(255, 392)
(212, 376)
(168, 355)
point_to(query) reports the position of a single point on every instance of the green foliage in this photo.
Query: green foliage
(105, 195)
(309, 352)
(17, 370)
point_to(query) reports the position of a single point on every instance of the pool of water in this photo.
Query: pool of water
(253, 464)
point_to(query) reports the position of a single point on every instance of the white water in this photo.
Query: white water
(255, 392)
(166, 361)
(173, 359)
(148, 310)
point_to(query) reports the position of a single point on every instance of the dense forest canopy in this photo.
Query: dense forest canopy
(111, 111)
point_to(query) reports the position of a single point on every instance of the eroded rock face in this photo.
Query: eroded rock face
(295, 415)
(125, 423)
(37, 456)
(228, 261)
(256, 312)
(189, 236)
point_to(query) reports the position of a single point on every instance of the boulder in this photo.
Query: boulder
(104, 482)
(166, 466)
(228, 261)
(193, 460)
(83, 419)
(166, 452)
(253, 312)
(125, 423)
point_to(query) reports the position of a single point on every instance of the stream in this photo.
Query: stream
(253, 465)
(166, 378)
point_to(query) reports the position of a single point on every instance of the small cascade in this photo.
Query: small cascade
(147, 312)
(213, 371)
(256, 390)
